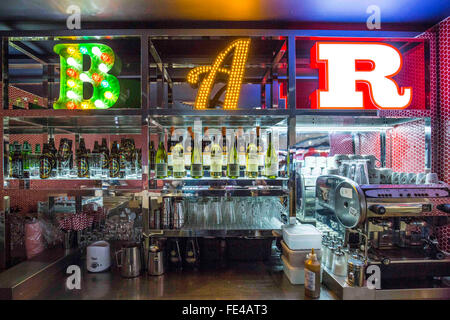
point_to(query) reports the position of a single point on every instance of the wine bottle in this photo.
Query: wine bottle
(196, 161)
(152, 155)
(122, 158)
(114, 161)
(26, 158)
(233, 163)
(17, 161)
(170, 145)
(216, 159)
(178, 159)
(252, 158)
(188, 146)
(224, 151)
(241, 151)
(45, 166)
(271, 160)
(260, 148)
(36, 161)
(82, 162)
(104, 155)
(206, 152)
(53, 156)
(161, 160)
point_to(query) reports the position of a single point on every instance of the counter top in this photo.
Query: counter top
(238, 280)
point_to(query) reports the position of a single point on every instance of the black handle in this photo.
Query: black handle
(444, 207)
(378, 209)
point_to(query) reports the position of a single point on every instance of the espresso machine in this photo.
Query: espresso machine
(394, 228)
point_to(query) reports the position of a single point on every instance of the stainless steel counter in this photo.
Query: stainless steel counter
(255, 280)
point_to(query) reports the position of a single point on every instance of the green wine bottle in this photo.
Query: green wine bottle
(178, 159)
(271, 161)
(161, 161)
(252, 158)
(233, 163)
(216, 159)
(196, 161)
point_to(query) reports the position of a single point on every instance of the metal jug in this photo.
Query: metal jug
(130, 260)
(155, 261)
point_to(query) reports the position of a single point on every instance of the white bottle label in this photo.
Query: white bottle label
(310, 280)
(169, 159)
(272, 170)
(206, 159)
(187, 159)
(216, 164)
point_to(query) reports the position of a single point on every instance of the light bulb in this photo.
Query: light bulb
(84, 77)
(71, 61)
(103, 68)
(96, 51)
(71, 95)
(108, 95)
(99, 104)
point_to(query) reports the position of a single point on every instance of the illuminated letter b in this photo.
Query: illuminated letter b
(106, 88)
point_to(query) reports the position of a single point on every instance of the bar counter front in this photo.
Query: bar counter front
(222, 164)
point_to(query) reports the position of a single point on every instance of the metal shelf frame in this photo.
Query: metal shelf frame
(148, 50)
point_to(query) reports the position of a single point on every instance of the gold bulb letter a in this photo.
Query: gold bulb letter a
(235, 75)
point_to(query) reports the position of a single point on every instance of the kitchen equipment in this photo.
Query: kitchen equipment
(371, 161)
(129, 263)
(98, 256)
(355, 272)
(393, 225)
(339, 266)
(302, 237)
(156, 261)
(297, 258)
(296, 275)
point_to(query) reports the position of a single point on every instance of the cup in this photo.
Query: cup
(431, 178)
(374, 176)
(411, 177)
(403, 178)
(421, 178)
(385, 175)
(395, 176)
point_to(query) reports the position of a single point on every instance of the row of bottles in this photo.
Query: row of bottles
(120, 161)
(212, 156)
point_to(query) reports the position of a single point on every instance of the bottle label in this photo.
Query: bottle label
(45, 168)
(161, 169)
(241, 158)
(83, 168)
(233, 169)
(310, 280)
(196, 170)
(252, 159)
(104, 161)
(178, 164)
(216, 164)
(206, 159)
(169, 159)
(187, 159)
(272, 170)
(114, 168)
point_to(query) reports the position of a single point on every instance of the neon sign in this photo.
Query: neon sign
(358, 75)
(235, 75)
(106, 88)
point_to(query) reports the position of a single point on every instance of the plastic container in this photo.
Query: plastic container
(302, 237)
(297, 258)
(295, 275)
